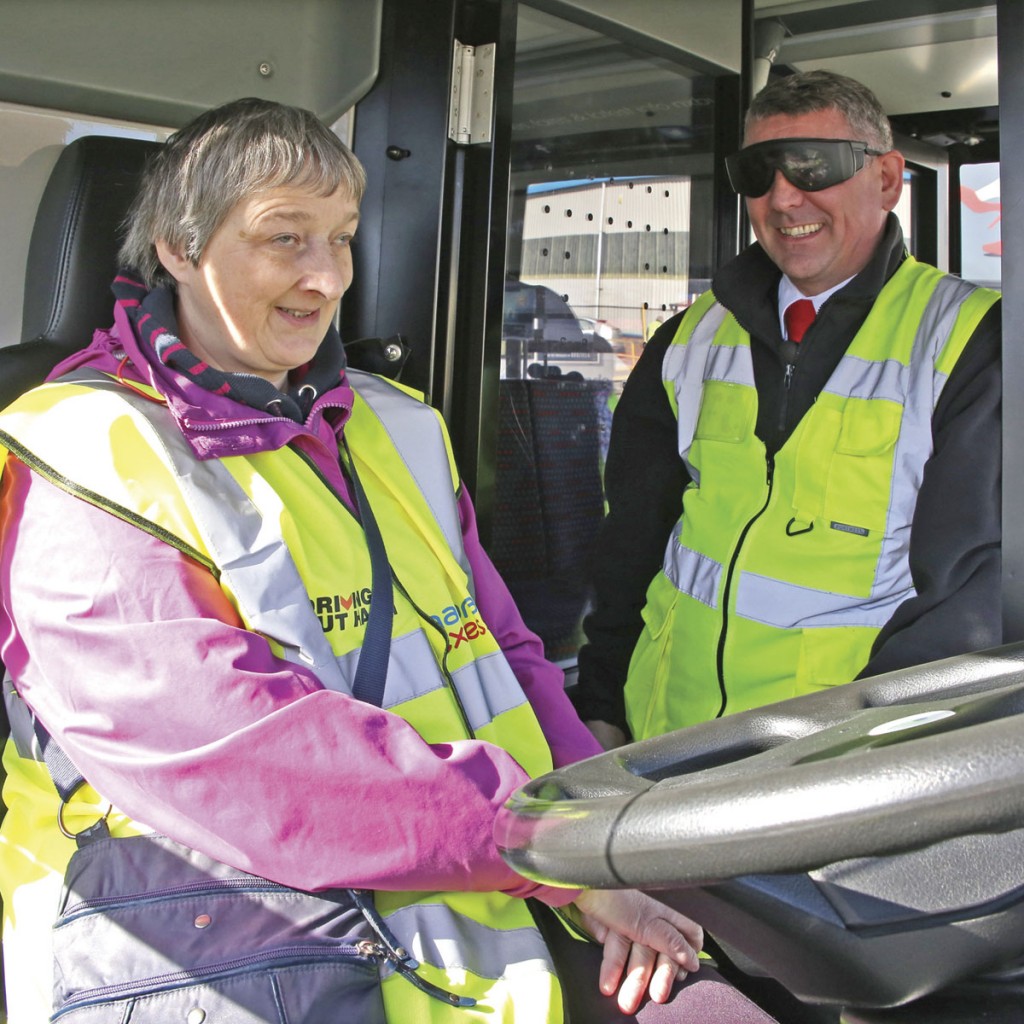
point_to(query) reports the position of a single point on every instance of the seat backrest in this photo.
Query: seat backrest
(73, 255)
(71, 261)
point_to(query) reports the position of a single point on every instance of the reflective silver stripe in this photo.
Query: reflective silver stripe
(938, 324)
(250, 552)
(407, 679)
(486, 686)
(417, 437)
(690, 572)
(684, 367)
(437, 935)
(855, 377)
(789, 606)
(915, 443)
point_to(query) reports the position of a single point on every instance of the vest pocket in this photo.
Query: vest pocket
(727, 412)
(152, 931)
(860, 476)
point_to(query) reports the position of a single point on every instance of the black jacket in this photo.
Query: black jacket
(955, 537)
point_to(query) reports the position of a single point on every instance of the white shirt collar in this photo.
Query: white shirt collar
(788, 292)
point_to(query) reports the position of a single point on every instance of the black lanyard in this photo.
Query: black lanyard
(372, 668)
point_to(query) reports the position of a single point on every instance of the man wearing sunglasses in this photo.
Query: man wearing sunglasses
(796, 504)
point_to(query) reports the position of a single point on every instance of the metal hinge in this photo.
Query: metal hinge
(469, 118)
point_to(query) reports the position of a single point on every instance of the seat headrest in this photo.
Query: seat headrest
(72, 256)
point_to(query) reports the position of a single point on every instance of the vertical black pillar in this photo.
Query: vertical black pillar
(1010, 27)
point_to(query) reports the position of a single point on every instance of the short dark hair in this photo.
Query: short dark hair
(810, 91)
(223, 156)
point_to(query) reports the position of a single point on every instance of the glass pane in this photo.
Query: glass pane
(980, 212)
(905, 210)
(612, 151)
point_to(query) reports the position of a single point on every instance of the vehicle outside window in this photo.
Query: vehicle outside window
(607, 238)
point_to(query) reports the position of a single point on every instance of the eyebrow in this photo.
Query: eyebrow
(296, 217)
(290, 216)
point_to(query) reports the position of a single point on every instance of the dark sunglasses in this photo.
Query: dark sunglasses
(808, 164)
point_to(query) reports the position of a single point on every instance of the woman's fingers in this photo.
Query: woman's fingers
(647, 945)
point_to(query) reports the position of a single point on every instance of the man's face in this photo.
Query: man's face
(819, 239)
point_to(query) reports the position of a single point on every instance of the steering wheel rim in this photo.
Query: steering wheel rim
(872, 768)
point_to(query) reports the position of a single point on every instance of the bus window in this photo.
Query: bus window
(981, 245)
(608, 237)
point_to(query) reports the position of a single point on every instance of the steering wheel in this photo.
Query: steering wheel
(921, 770)
(871, 768)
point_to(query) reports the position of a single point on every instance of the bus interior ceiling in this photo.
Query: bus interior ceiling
(932, 62)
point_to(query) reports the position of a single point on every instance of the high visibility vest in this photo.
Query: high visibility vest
(781, 571)
(294, 563)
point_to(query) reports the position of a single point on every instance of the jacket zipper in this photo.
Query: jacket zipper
(787, 385)
(255, 422)
(385, 949)
(366, 952)
(101, 903)
(729, 579)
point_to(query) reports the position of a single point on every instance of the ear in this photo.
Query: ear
(174, 263)
(891, 165)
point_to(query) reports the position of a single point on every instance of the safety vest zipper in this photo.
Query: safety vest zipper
(729, 576)
(787, 384)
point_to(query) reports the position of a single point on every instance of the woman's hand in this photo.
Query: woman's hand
(608, 735)
(647, 945)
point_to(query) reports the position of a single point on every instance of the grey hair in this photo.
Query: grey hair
(225, 155)
(810, 91)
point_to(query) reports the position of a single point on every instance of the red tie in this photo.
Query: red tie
(799, 316)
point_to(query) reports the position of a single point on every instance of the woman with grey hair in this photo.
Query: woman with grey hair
(279, 689)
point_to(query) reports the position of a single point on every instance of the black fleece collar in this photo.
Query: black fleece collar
(748, 284)
(152, 314)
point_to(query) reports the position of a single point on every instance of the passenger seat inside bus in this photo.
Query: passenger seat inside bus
(549, 501)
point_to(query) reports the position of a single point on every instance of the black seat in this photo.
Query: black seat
(72, 256)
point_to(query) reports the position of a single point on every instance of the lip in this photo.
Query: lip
(297, 317)
(798, 232)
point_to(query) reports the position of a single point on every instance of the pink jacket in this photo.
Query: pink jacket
(133, 659)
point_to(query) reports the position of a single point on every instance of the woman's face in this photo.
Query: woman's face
(268, 282)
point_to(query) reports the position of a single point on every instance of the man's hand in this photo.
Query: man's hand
(647, 945)
(608, 735)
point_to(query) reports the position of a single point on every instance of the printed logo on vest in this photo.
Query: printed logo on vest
(461, 616)
(340, 613)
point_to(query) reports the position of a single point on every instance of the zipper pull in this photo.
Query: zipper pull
(787, 383)
(372, 950)
(388, 948)
(769, 469)
(388, 943)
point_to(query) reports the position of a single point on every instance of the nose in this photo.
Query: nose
(327, 270)
(783, 193)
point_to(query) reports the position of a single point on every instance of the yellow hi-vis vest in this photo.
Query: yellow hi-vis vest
(294, 563)
(781, 572)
